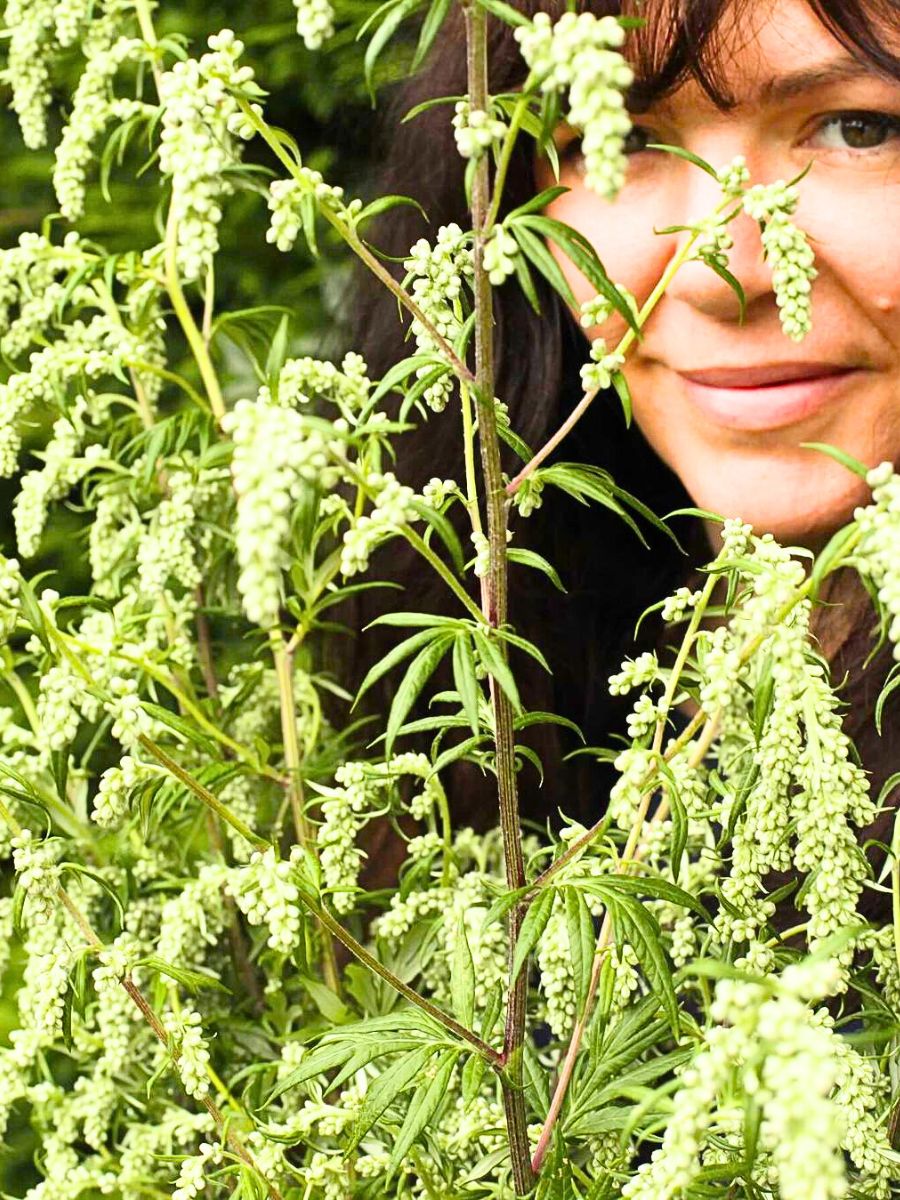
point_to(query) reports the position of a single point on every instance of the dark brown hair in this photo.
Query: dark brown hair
(610, 575)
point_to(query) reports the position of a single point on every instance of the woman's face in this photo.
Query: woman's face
(714, 398)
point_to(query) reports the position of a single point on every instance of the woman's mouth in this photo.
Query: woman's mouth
(758, 399)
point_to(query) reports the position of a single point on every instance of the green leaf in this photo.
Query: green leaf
(465, 680)
(537, 203)
(472, 1075)
(431, 27)
(583, 256)
(530, 558)
(733, 282)
(401, 371)
(582, 941)
(462, 977)
(104, 885)
(504, 12)
(496, 665)
(278, 350)
(395, 656)
(635, 925)
(427, 104)
(538, 254)
(445, 531)
(385, 1089)
(890, 687)
(192, 980)
(308, 213)
(454, 753)
(186, 729)
(423, 1109)
(830, 557)
(841, 456)
(526, 283)
(680, 152)
(623, 391)
(384, 204)
(417, 675)
(329, 1005)
(322, 1060)
(415, 620)
(532, 927)
(398, 13)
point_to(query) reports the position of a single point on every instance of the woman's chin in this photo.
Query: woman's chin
(799, 506)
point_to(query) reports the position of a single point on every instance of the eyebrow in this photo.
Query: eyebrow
(787, 87)
(781, 88)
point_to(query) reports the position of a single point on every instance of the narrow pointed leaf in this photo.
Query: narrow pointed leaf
(423, 1109)
(417, 675)
(465, 680)
(532, 927)
(462, 977)
(496, 665)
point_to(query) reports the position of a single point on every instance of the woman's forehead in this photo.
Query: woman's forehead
(726, 46)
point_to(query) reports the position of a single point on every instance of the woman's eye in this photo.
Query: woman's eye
(858, 131)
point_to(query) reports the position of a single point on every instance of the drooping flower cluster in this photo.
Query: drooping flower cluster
(187, 1044)
(286, 203)
(266, 893)
(767, 1043)
(436, 275)
(880, 546)
(392, 508)
(500, 251)
(364, 791)
(598, 373)
(201, 125)
(315, 22)
(580, 55)
(788, 251)
(276, 455)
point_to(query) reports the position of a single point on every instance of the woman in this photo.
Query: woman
(720, 409)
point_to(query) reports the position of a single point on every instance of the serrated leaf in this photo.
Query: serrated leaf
(192, 980)
(496, 665)
(462, 977)
(504, 12)
(104, 885)
(472, 1075)
(417, 675)
(415, 621)
(423, 1109)
(186, 729)
(733, 282)
(385, 1089)
(582, 941)
(623, 391)
(393, 657)
(324, 1059)
(531, 929)
(465, 680)
(384, 204)
(635, 925)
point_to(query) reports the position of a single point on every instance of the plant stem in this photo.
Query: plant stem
(187, 322)
(359, 951)
(350, 236)
(284, 669)
(202, 793)
(509, 142)
(495, 611)
(419, 544)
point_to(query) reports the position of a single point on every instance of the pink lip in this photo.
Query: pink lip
(768, 397)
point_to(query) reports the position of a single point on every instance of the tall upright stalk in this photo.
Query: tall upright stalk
(495, 612)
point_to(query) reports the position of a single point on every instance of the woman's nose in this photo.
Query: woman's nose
(696, 283)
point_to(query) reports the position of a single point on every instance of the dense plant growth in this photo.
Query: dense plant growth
(208, 999)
